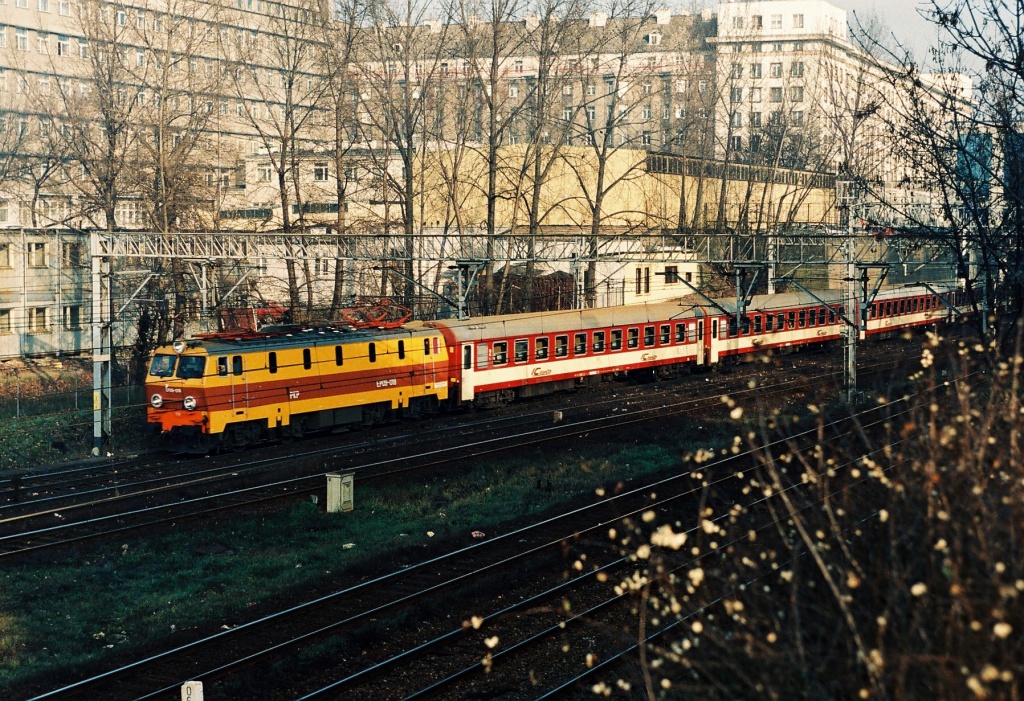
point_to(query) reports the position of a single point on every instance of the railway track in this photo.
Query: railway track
(189, 494)
(526, 567)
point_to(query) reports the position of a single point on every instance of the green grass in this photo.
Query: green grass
(67, 615)
(31, 441)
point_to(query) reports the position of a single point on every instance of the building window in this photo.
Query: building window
(21, 38)
(264, 173)
(63, 45)
(320, 172)
(83, 48)
(591, 89)
(737, 70)
(567, 90)
(775, 95)
(5, 320)
(755, 119)
(654, 38)
(671, 274)
(736, 143)
(5, 249)
(755, 70)
(37, 319)
(756, 22)
(647, 88)
(71, 254)
(44, 5)
(738, 22)
(776, 70)
(513, 89)
(646, 112)
(798, 21)
(798, 118)
(796, 93)
(798, 46)
(517, 66)
(73, 318)
(797, 69)
(567, 114)
(64, 8)
(735, 95)
(736, 119)
(36, 255)
(645, 139)
(755, 94)
(776, 22)
(755, 146)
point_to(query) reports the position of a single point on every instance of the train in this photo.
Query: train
(228, 390)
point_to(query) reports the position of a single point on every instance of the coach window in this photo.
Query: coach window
(222, 366)
(371, 351)
(733, 328)
(500, 352)
(236, 365)
(521, 350)
(666, 334)
(307, 359)
(769, 322)
(781, 322)
(467, 358)
(561, 346)
(745, 325)
(813, 319)
(481, 356)
(338, 356)
(888, 308)
(599, 341)
(579, 346)
(540, 349)
(714, 328)
(401, 350)
(757, 324)
(616, 342)
(802, 318)
(821, 317)
(272, 362)
(648, 336)
(680, 333)
(913, 304)
(831, 315)
(632, 338)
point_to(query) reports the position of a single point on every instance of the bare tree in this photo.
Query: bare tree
(402, 68)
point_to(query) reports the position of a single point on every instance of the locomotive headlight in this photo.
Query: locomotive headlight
(189, 403)
(179, 347)
(156, 401)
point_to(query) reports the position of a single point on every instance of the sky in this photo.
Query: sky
(902, 19)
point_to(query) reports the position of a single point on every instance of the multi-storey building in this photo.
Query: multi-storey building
(186, 114)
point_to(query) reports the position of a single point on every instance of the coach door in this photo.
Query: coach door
(466, 386)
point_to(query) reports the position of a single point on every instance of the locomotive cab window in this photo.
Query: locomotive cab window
(632, 338)
(163, 365)
(666, 334)
(616, 340)
(561, 346)
(307, 359)
(579, 346)
(500, 353)
(222, 366)
(540, 349)
(190, 367)
(236, 365)
(272, 362)
(522, 350)
(599, 341)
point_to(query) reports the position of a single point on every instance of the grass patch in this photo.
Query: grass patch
(58, 617)
(31, 441)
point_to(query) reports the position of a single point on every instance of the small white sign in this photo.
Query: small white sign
(192, 691)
